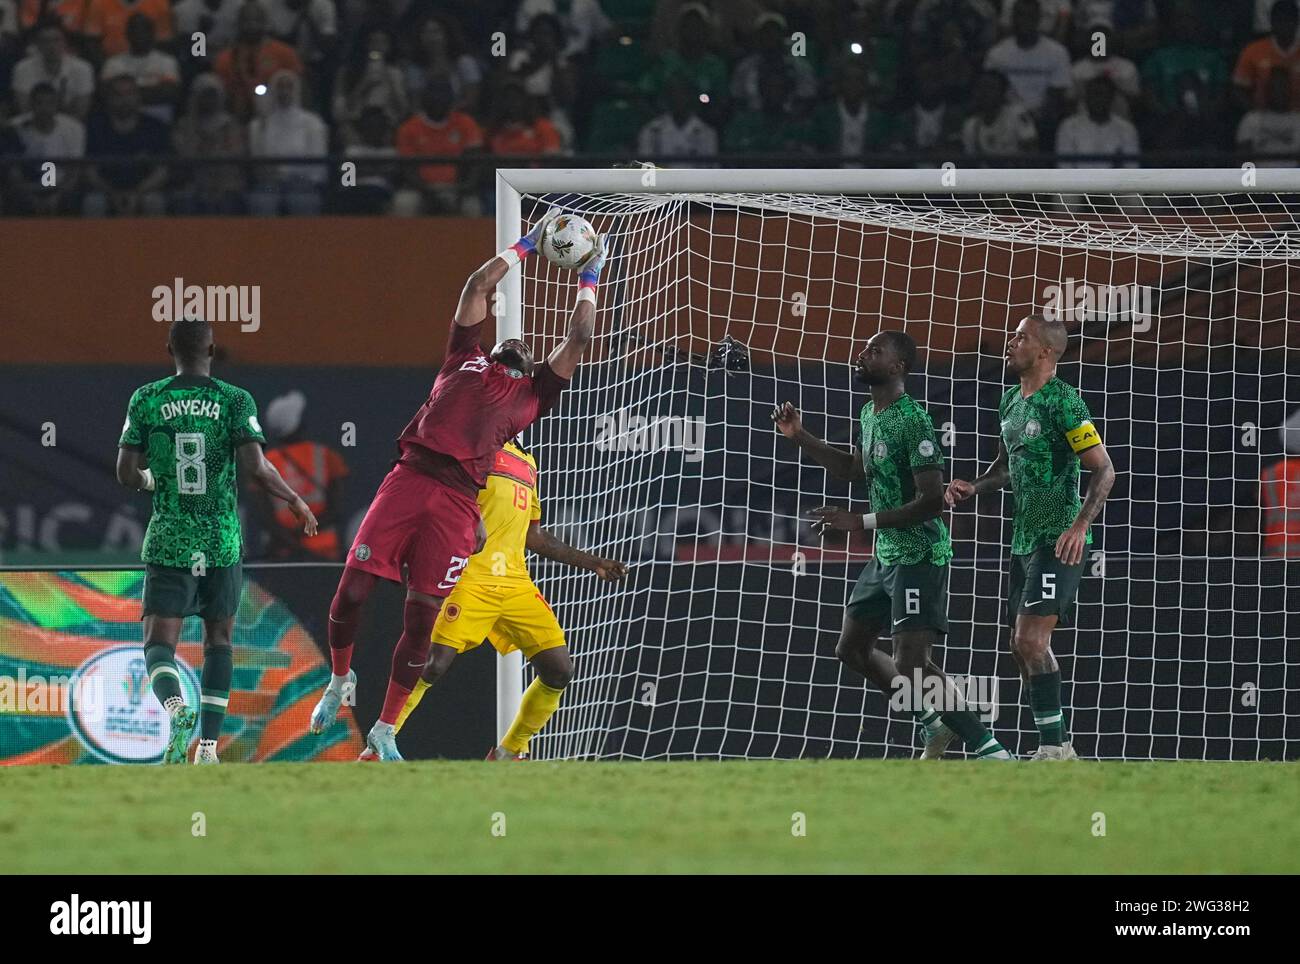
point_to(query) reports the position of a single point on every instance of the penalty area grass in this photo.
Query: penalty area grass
(789, 816)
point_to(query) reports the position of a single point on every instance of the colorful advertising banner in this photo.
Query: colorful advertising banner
(73, 686)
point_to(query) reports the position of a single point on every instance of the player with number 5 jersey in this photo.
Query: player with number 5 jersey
(1046, 433)
(424, 522)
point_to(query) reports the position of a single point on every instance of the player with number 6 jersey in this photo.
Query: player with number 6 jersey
(424, 522)
(904, 589)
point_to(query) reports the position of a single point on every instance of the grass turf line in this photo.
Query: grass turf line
(862, 816)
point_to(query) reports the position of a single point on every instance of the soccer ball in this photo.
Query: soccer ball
(568, 241)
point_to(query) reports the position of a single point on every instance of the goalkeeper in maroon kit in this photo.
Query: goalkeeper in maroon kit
(425, 516)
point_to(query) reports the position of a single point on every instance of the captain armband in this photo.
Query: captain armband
(1084, 437)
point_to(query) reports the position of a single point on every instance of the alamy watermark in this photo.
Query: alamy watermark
(624, 432)
(212, 303)
(1082, 301)
(51, 694)
(979, 694)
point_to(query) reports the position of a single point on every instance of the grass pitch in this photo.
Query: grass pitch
(859, 816)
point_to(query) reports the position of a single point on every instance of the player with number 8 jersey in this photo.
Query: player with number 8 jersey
(183, 437)
(424, 522)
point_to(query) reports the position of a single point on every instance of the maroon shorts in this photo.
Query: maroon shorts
(417, 522)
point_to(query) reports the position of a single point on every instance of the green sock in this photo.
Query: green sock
(1045, 701)
(218, 665)
(928, 719)
(164, 677)
(973, 733)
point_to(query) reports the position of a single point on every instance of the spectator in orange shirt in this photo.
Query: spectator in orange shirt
(438, 129)
(1279, 495)
(106, 21)
(1281, 48)
(317, 471)
(253, 60)
(523, 128)
(72, 13)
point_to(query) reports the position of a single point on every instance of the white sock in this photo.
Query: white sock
(381, 726)
(173, 703)
(336, 682)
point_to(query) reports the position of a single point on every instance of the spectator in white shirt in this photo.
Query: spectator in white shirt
(286, 129)
(1037, 67)
(1272, 129)
(1054, 18)
(1123, 73)
(72, 78)
(217, 20)
(679, 132)
(157, 74)
(1097, 130)
(773, 55)
(439, 54)
(308, 26)
(997, 126)
(47, 135)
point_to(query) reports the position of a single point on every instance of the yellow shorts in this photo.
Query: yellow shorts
(509, 617)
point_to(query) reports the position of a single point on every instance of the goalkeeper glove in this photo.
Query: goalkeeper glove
(528, 243)
(590, 272)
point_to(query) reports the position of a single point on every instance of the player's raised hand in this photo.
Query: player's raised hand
(958, 490)
(610, 570)
(788, 420)
(534, 237)
(830, 518)
(589, 270)
(305, 516)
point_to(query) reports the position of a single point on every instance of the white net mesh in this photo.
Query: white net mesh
(1186, 641)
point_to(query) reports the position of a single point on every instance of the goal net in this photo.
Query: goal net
(728, 292)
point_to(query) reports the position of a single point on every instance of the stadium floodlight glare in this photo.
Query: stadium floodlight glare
(1180, 291)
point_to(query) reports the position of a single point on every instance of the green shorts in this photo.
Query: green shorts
(1042, 585)
(906, 597)
(175, 591)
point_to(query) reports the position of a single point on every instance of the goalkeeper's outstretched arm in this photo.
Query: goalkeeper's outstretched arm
(473, 305)
(582, 323)
(846, 466)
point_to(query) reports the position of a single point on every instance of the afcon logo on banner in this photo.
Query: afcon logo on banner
(130, 725)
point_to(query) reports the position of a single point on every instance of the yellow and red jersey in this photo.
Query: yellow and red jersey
(509, 505)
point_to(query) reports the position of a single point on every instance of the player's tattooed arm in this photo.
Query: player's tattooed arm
(258, 469)
(994, 480)
(846, 466)
(131, 470)
(544, 544)
(1071, 544)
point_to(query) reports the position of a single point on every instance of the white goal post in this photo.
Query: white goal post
(1179, 285)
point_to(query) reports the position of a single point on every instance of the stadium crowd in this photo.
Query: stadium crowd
(143, 92)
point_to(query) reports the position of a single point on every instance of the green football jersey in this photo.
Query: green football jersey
(895, 443)
(1043, 435)
(188, 428)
